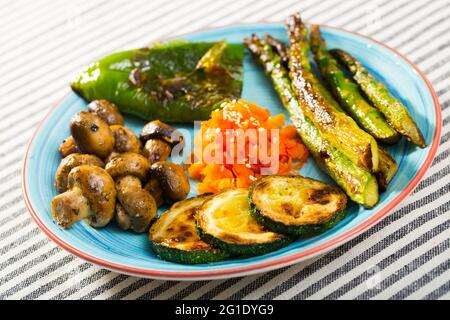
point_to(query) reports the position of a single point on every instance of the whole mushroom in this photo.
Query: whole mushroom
(124, 141)
(91, 134)
(136, 207)
(159, 138)
(71, 161)
(91, 196)
(107, 111)
(172, 179)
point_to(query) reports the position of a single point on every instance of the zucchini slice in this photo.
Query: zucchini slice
(225, 221)
(173, 236)
(296, 205)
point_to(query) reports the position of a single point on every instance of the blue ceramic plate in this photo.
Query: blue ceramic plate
(130, 253)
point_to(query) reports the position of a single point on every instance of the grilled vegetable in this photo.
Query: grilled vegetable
(178, 81)
(225, 221)
(387, 169)
(347, 93)
(358, 183)
(296, 205)
(280, 48)
(395, 112)
(173, 236)
(321, 108)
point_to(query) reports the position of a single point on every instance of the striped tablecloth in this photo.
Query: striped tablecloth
(404, 256)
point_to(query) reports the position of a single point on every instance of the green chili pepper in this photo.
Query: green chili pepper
(176, 82)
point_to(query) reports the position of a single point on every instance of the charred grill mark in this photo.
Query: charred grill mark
(320, 196)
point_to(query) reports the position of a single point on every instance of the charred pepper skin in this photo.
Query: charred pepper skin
(347, 93)
(396, 113)
(326, 113)
(167, 81)
(359, 184)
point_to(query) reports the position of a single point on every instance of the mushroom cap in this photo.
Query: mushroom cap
(157, 129)
(71, 161)
(68, 146)
(107, 111)
(156, 150)
(140, 207)
(97, 186)
(128, 163)
(92, 134)
(172, 178)
(125, 139)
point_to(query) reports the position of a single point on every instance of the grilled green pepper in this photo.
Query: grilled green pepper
(326, 113)
(347, 93)
(395, 112)
(358, 183)
(386, 170)
(177, 82)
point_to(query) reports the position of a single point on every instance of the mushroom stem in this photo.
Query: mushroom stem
(70, 207)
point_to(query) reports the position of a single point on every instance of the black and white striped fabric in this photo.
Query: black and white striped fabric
(404, 256)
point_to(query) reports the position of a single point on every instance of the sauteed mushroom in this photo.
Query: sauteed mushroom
(91, 134)
(107, 111)
(159, 139)
(71, 161)
(172, 178)
(137, 207)
(91, 196)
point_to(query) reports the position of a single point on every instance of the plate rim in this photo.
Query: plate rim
(258, 267)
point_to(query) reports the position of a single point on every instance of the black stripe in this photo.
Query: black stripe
(83, 283)
(164, 286)
(105, 287)
(19, 241)
(126, 291)
(12, 202)
(413, 23)
(57, 282)
(14, 229)
(441, 156)
(385, 27)
(419, 283)
(362, 14)
(368, 253)
(24, 253)
(389, 260)
(37, 276)
(194, 286)
(12, 216)
(439, 292)
(9, 190)
(29, 264)
(410, 267)
(432, 179)
(445, 138)
(325, 260)
(220, 288)
(49, 26)
(441, 46)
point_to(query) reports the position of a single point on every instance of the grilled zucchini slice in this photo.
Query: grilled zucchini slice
(296, 205)
(174, 237)
(225, 221)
